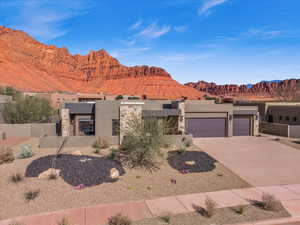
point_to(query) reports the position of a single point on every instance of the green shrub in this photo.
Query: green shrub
(100, 144)
(187, 142)
(113, 155)
(26, 152)
(142, 143)
(181, 151)
(166, 218)
(16, 178)
(31, 195)
(6, 155)
(119, 220)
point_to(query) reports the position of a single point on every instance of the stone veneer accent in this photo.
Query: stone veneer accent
(127, 114)
(65, 122)
(181, 118)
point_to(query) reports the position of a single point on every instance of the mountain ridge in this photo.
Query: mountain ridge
(30, 65)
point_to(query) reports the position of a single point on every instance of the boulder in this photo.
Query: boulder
(77, 153)
(190, 163)
(46, 174)
(114, 173)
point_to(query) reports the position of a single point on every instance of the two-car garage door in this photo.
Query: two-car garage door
(216, 127)
(206, 127)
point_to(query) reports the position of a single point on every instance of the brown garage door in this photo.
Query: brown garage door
(206, 127)
(241, 126)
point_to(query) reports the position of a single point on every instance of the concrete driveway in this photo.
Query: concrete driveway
(260, 161)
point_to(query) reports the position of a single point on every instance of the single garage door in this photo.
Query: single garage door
(241, 126)
(206, 127)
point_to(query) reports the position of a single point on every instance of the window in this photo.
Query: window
(270, 118)
(287, 118)
(295, 119)
(280, 117)
(115, 127)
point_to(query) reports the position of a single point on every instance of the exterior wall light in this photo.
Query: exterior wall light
(230, 117)
(256, 117)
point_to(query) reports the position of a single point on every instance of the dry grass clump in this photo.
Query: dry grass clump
(31, 195)
(210, 207)
(64, 221)
(271, 203)
(16, 178)
(209, 210)
(6, 155)
(119, 220)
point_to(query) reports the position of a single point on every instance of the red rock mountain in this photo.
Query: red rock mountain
(29, 65)
(261, 91)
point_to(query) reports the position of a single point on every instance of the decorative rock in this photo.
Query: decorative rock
(114, 173)
(190, 163)
(77, 153)
(46, 174)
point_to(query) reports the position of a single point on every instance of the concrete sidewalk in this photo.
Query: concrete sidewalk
(98, 215)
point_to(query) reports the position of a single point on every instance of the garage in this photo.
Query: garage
(206, 127)
(241, 126)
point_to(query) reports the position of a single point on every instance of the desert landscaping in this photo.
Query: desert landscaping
(81, 185)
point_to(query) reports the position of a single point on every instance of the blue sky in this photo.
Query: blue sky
(223, 41)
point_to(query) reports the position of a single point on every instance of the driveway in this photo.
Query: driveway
(260, 161)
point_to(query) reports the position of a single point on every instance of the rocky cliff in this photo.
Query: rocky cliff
(261, 90)
(29, 65)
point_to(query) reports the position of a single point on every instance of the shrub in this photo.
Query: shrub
(239, 209)
(26, 152)
(166, 218)
(119, 220)
(100, 144)
(64, 221)
(269, 202)
(210, 207)
(31, 195)
(142, 143)
(6, 155)
(181, 151)
(113, 155)
(28, 109)
(4, 136)
(187, 142)
(16, 177)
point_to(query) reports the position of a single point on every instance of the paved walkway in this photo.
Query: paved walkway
(260, 161)
(98, 215)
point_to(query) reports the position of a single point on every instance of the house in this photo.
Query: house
(199, 118)
(279, 118)
(3, 100)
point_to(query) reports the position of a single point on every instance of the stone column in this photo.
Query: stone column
(181, 119)
(230, 124)
(256, 124)
(65, 122)
(128, 113)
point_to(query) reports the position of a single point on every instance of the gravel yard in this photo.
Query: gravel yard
(133, 184)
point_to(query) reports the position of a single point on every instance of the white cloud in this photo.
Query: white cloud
(264, 34)
(44, 19)
(181, 29)
(136, 25)
(182, 58)
(154, 31)
(209, 4)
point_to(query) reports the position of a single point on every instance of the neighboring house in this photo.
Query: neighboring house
(198, 118)
(279, 118)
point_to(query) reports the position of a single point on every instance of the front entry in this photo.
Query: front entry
(206, 127)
